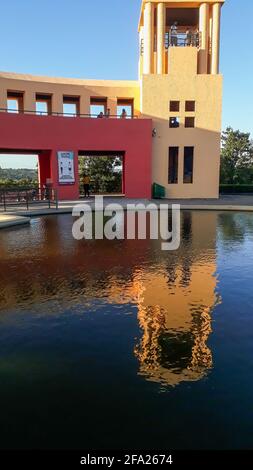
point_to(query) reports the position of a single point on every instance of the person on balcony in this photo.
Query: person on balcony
(123, 114)
(173, 34)
(100, 115)
(188, 40)
(108, 113)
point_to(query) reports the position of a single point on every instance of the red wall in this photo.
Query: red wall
(52, 134)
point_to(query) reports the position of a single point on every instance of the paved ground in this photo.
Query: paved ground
(7, 220)
(226, 202)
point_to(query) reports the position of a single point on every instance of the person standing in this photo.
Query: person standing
(123, 114)
(173, 34)
(86, 185)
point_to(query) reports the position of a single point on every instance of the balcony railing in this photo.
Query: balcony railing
(53, 113)
(179, 39)
(182, 39)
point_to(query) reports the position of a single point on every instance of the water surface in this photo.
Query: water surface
(120, 345)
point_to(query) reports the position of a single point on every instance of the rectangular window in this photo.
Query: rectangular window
(43, 104)
(189, 122)
(174, 122)
(98, 107)
(71, 106)
(188, 164)
(173, 165)
(15, 101)
(125, 108)
(174, 106)
(190, 106)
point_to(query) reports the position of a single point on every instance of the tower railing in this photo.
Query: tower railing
(182, 39)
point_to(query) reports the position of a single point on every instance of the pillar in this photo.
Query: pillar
(29, 101)
(204, 28)
(160, 37)
(216, 39)
(44, 167)
(148, 38)
(3, 98)
(112, 105)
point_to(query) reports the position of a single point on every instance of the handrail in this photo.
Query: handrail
(56, 113)
(27, 196)
(182, 39)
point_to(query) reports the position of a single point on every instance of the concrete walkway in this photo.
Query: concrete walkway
(10, 220)
(225, 203)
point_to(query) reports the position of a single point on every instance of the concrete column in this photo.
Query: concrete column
(148, 38)
(30, 101)
(85, 104)
(57, 102)
(216, 39)
(112, 105)
(203, 28)
(141, 44)
(160, 37)
(3, 98)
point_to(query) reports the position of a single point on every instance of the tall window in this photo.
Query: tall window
(173, 165)
(43, 104)
(188, 164)
(71, 106)
(15, 101)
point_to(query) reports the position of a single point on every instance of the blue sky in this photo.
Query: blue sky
(98, 39)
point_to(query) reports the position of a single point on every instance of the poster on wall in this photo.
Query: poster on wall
(66, 167)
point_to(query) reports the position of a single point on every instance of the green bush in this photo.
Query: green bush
(236, 188)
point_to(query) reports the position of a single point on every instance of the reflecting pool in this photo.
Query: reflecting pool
(117, 344)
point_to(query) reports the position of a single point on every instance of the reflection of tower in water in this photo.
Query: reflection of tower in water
(174, 308)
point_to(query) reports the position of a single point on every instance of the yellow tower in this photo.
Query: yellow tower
(181, 89)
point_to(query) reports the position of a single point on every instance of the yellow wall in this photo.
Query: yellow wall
(181, 84)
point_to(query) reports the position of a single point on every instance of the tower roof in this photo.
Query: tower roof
(177, 4)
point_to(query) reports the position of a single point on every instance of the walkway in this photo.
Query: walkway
(16, 215)
(10, 220)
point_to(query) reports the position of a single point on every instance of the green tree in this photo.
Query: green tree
(105, 173)
(236, 157)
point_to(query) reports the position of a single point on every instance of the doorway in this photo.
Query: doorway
(106, 172)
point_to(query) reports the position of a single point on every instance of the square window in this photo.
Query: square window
(71, 106)
(98, 107)
(174, 122)
(174, 106)
(190, 106)
(15, 101)
(189, 122)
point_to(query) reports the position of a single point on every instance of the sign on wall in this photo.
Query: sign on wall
(66, 169)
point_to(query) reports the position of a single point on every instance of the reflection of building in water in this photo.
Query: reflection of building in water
(174, 310)
(176, 324)
(174, 292)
